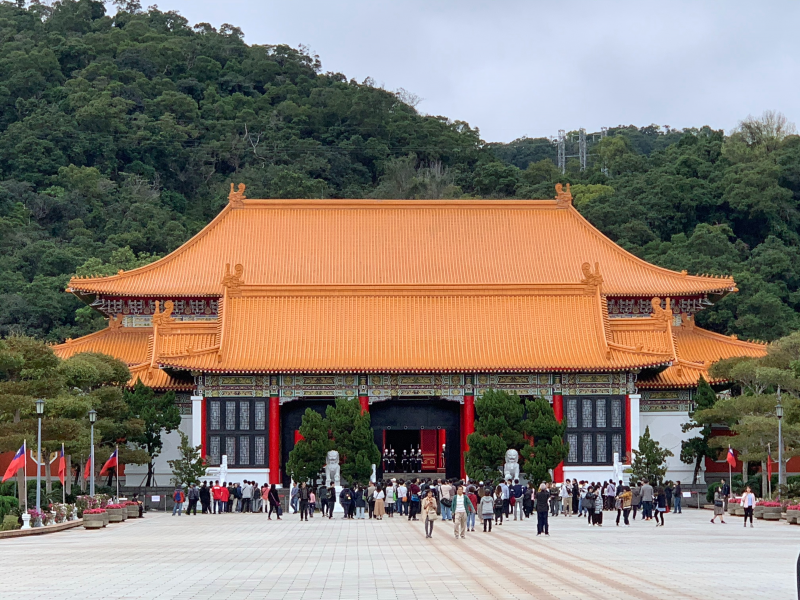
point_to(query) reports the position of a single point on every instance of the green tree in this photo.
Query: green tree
(499, 425)
(307, 457)
(694, 450)
(190, 467)
(158, 414)
(650, 460)
(352, 436)
(548, 448)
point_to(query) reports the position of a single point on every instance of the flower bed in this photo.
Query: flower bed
(115, 512)
(94, 518)
(735, 501)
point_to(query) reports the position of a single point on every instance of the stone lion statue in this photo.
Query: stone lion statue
(511, 468)
(332, 469)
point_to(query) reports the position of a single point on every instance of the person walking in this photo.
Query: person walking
(471, 516)
(582, 509)
(178, 499)
(565, 494)
(611, 494)
(598, 508)
(225, 498)
(193, 496)
(487, 509)
(379, 497)
(293, 500)
(719, 505)
(576, 497)
(677, 497)
(498, 506)
(505, 490)
(247, 497)
(302, 499)
(461, 508)
(274, 502)
(429, 512)
(647, 500)
(636, 498)
(542, 506)
(446, 499)
(322, 497)
(265, 497)
(726, 493)
(371, 499)
(414, 492)
(527, 501)
(515, 492)
(312, 502)
(331, 500)
(402, 498)
(205, 498)
(346, 500)
(660, 505)
(588, 505)
(360, 501)
(390, 500)
(668, 490)
(748, 504)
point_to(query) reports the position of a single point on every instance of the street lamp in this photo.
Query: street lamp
(92, 419)
(39, 412)
(779, 414)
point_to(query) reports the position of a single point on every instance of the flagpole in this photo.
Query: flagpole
(116, 471)
(730, 476)
(63, 483)
(25, 472)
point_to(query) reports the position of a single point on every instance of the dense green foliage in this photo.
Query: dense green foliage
(119, 136)
(650, 460)
(695, 449)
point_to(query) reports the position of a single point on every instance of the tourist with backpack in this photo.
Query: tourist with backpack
(487, 509)
(193, 495)
(178, 499)
(346, 500)
(498, 506)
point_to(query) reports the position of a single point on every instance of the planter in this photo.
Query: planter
(94, 521)
(133, 511)
(114, 515)
(758, 512)
(792, 516)
(772, 516)
(106, 519)
(124, 513)
(737, 511)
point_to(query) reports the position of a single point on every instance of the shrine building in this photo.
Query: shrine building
(415, 307)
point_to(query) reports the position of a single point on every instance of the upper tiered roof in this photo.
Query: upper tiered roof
(325, 243)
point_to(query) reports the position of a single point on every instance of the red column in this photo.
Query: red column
(558, 411)
(628, 444)
(203, 430)
(467, 419)
(363, 397)
(364, 402)
(275, 438)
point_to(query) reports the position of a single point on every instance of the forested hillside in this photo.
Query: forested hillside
(120, 134)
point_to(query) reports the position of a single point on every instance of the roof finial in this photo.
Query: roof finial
(661, 314)
(233, 281)
(591, 280)
(563, 198)
(236, 198)
(165, 316)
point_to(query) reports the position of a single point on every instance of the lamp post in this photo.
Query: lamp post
(39, 412)
(92, 419)
(779, 414)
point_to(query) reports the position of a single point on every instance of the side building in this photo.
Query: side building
(415, 307)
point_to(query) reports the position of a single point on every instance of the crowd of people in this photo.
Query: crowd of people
(456, 501)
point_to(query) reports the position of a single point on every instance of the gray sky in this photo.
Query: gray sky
(515, 68)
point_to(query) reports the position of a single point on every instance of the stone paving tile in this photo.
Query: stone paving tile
(248, 557)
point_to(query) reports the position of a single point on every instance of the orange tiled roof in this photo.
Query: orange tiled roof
(131, 345)
(411, 330)
(697, 349)
(398, 242)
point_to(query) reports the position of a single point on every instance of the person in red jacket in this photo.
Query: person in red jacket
(178, 498)
(224, 497)
(216, 494)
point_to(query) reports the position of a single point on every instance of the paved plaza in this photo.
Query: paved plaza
(247, 556)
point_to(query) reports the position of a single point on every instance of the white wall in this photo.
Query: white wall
(665, 428)
(136, 475)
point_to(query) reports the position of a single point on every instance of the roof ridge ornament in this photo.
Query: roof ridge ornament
(236, 198)
(233, 281)
(563, 198)
(592, 280)
(165, 316)
(115, 322)
(659, 313)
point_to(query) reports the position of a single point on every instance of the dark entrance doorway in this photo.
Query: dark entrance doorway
(401, 440)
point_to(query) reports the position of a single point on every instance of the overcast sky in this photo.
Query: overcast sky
(529, 68)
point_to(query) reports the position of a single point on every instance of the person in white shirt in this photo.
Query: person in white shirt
(461, 506)
(446, 494)
(402, 498)
(390, 504)
(504, 490)
(564, 493)
(748, 504)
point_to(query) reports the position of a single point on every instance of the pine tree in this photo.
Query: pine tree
(352, 437)
(548, 448)
(307, 458)
(499, 425)
(190, 467)
(650, 460)
(696, 449)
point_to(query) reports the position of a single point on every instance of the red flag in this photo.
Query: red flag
(111, 462)
(769, 466)
(87, 471)
(62, 466)
(731, 458)
(17, 463)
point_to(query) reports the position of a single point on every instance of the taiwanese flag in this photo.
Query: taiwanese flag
(62, 466)
(731, 458)
(17, 463)
(111, 462)
(88, 468)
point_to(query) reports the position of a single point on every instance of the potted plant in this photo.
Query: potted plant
(735, 507)
(115, 512)
(37, 517)
(94, 518)
(133, 509)
(770, 511)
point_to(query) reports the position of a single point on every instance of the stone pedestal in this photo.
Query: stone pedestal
(337, 506)
(26, 521)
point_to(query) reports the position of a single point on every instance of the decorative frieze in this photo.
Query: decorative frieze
(138, 312)
(642, 307)
(666, 401)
